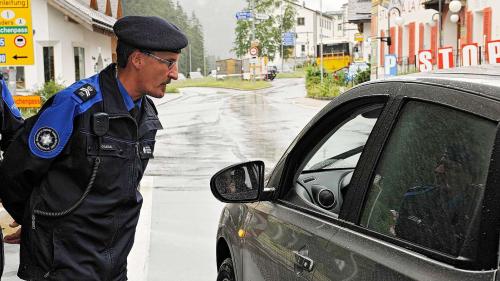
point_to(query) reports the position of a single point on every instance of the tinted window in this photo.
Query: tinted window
(430, 180)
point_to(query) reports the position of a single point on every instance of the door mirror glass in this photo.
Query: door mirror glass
(239, 183)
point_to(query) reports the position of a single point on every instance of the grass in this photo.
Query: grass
(229, 83)
(301, 73)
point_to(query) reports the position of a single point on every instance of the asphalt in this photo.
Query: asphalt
(138, 260)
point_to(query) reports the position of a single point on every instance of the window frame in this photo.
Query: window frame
(288, 167)
(467, 102)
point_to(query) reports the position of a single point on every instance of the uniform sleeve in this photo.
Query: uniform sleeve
(33, 150)
(11, 120)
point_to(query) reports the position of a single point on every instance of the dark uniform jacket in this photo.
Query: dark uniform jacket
(50, 166)
(10, 116)
(11, 121)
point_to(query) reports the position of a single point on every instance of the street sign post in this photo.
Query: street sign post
(289, 39)
(16, 33)
(244, 15)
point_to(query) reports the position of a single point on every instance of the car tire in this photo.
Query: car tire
(226, 271)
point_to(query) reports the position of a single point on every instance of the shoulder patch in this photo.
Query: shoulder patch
(86, 92)
(46, 139)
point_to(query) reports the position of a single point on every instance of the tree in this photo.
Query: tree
(175, 14)
(281, 19)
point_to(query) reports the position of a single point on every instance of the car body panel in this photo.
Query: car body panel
(339, 247)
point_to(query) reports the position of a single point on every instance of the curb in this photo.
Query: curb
(138, 259)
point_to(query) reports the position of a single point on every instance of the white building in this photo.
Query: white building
(359, 13)
(72, 40)
(313, 27)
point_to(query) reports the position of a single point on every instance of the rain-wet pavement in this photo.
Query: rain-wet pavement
(205, 131)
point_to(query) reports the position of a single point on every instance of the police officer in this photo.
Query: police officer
(72, 176)
(11, 121)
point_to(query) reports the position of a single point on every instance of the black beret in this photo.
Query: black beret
(150, 33)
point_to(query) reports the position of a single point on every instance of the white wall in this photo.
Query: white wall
(51, 29)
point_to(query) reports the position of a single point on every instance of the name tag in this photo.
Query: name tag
(146, 151)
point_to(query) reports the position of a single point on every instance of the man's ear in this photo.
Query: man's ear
(136, 59)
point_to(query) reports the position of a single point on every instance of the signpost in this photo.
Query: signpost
(244, 15)
(16, 33)
(289, 39)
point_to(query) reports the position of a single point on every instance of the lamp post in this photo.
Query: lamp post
(455, 6)
(399, 21)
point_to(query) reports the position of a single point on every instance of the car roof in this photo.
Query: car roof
(483, 80)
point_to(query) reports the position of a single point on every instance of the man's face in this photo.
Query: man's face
(158, 72)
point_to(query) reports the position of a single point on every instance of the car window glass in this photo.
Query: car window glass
(429, 182)
(343, 146)
(329, 165)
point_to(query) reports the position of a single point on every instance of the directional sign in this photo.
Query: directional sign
(288, 39)
(16, 33)
(244, 15)
(254, 51)
(28, 101)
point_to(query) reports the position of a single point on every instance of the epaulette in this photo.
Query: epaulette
(54, 125)
(8, 100)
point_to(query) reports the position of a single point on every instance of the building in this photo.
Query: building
(359, 13)
(313, 27)
(419, 39)
(73, 39)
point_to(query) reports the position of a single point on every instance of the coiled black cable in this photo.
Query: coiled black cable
(97, 161)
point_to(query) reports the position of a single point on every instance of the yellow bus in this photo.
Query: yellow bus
(335, 56)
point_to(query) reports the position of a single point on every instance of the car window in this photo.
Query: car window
(342, 147)
(428, 185)
(328, 166)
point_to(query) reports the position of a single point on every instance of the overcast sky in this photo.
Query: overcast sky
(218, 20)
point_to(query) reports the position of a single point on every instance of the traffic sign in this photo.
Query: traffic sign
(28, 101)
(254, 51)
(289, 39)
(16, 33)
(244, 15)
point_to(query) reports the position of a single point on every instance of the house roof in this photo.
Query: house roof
(80, 12)
(359, 11)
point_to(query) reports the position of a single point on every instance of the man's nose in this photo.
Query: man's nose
(173, 73)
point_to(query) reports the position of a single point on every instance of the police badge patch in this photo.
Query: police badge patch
(46, 139)
(86, 92)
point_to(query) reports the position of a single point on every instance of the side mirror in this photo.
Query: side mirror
(240, 183)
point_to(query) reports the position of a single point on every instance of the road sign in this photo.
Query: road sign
(254, 51)
(28, 101)
(289, 39)
(261, 16)
(244, 15)
(16, 33)
(358, 37)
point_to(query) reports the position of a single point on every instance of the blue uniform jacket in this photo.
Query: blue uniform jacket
(50, 168)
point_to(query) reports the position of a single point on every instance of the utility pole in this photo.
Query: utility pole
(281, 31)
(190, 70)
(321, 38)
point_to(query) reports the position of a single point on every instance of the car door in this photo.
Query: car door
(425, 210)
(286, 237)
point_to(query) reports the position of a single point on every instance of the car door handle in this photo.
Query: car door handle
(303, 261)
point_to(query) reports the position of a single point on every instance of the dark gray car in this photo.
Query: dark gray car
(393, 180)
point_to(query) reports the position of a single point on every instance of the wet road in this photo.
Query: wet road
(206, 130)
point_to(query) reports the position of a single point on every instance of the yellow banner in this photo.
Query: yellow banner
(16, 33)
(28, 101)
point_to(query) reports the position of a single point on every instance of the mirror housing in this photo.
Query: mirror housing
(240, 183)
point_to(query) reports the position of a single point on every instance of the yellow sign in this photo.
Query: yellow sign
(358, 37)
(28, 101)
(16, 33)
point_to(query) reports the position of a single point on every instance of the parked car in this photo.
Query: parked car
(393, 180)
